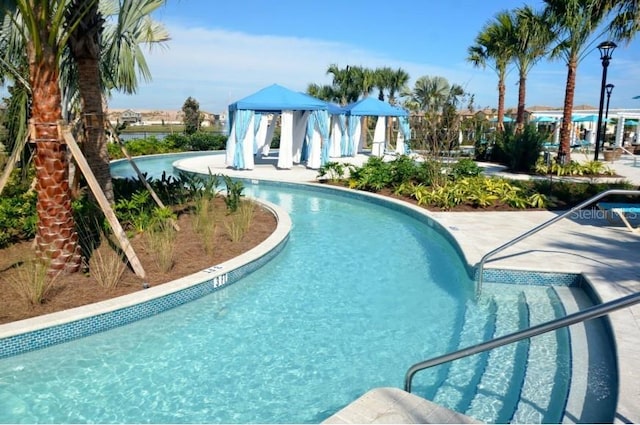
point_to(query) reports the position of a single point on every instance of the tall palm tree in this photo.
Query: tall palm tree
(429, 94)
(365, 80)
(42, 24)
(532, 36)
(324, 92)
(393, 81)
(119, 54)
(399, 80)
(344, 83)
(382, 77)
(493, 48)
(84, 46)
(95, 61)
(626, 20)
(576, 23)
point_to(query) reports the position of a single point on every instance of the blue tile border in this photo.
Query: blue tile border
(57, 334)
(523, 277)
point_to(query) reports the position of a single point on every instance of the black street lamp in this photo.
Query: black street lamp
(606, 50)
(609, 88)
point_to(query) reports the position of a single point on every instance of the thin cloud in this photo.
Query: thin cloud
(218, 66)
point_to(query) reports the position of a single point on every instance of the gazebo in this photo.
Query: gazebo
(251, 131)
(370, 106)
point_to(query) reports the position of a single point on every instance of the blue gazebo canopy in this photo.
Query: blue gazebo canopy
(370, 106)
(276, 98)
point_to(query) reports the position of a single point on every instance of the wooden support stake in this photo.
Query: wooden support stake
(103, 202)
(144, 181)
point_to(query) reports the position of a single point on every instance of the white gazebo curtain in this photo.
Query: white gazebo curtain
(299, 130)
(378, 144)
(271, 128)
(336, 137)
(285, 156)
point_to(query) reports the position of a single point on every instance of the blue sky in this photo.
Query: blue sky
(221, 51)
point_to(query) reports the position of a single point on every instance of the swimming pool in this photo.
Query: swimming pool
(359, 293)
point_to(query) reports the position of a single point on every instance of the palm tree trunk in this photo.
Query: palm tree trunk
(501, 92)
(565, 129)
(56, 236)
(522, 93)
(85, 48)
(95, 147)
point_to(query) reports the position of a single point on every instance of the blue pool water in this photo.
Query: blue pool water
(359, 293)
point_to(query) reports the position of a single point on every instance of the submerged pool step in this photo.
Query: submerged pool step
(545, 387)
(497, 395)
(479, 326)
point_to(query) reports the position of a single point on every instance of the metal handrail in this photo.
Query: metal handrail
(626, 150)
(480, 265)
(571, 319)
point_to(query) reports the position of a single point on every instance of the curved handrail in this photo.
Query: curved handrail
(480, 265)
(571, 319)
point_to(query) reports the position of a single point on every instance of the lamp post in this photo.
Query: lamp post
(609, 88)
(606, 49)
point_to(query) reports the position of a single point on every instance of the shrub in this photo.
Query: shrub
(240, 221)
(161, 241)
(18, 217)
(465, 167)
(335, 171)
(234, 193)
(373, 176)
(106, 265)
(518, 151)
(31, 280)
(403, 169)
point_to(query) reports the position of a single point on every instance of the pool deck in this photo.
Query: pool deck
(585, 243)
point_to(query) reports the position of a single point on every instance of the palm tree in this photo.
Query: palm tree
(344, 84)
(84, 44)
(45, 30)
(118, 52)
(399, 80)
(365, 80)
(324, 92)
(393, 81)
(576, 22)
(626, 21)
(493, 48)
(429, 94)
(532, 37)
(382, 77)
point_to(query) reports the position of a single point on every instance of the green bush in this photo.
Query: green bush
(465, 167)
(403, 169)
(373, 176)
(18, 217)
(518, 151)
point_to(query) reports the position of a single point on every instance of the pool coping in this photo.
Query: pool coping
(31, 334)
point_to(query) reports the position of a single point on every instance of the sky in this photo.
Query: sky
(222, 51)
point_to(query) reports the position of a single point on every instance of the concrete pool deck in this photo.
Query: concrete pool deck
(607, 255)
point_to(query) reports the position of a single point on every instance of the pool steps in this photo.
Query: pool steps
(504, 309)
(479, 320)
(502, 374)
(548, 374)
